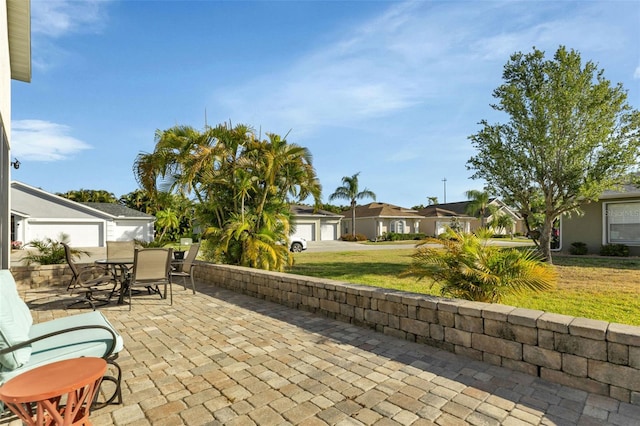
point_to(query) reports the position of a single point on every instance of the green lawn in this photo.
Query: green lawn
(600, 288)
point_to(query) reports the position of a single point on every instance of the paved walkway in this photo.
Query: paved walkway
(218, 357)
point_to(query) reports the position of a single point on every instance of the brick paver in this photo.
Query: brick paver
(218, 357)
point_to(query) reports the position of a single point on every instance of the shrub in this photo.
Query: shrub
(49, 251)
(618, 250)
(578, 248)
(394, 236)
(349, 237)
(467, 267)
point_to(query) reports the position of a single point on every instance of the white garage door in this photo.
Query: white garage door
(80, 234)
(328, 232)
(306, 231)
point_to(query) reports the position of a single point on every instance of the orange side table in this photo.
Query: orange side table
(37, 396)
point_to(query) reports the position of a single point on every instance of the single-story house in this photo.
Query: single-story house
(437, 219)
(439, 216)
(38, 214)
(315, 225)
(375, 219)
(613, 219)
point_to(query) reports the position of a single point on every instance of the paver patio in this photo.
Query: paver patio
(219, 357)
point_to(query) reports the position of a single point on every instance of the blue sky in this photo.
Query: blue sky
(389, 89)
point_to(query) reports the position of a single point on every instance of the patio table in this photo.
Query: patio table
(123, 264)
(37, 396)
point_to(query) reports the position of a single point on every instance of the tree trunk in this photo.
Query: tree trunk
(353, 219)
(545, 238)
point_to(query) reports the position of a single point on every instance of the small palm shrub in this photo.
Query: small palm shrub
(619, 250)
(467, 267)
(49, 251)
(578, 248)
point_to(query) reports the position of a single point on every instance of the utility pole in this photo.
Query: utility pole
(445, 190)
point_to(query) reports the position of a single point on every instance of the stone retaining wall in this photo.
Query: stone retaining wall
(595, 356)
(41, 276)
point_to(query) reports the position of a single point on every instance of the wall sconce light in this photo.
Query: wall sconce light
(15, 164)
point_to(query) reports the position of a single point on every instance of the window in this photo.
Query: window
(623, 223)
(397, 226)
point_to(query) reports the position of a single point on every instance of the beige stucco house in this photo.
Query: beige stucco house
(15, 58)
(315, 224)
(613, 219)
(375, 219)
(439, 216)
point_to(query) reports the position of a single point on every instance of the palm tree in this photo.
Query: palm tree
(502, 222)
(89, 195)
(350, 191)
(469, 268)
(242, 185)
(479, 205)
(166, 219)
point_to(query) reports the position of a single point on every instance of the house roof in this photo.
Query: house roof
(382, 210)
(625, 191)
(19, 34)
(301, 210)
(433, 211)
(459, 209)
(38, 203)
(118, 210)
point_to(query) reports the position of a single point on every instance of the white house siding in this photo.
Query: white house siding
(127, 230)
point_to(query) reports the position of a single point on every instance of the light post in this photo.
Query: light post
(445, 190)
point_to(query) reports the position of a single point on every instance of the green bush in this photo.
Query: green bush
(578, 248)
(394, 236)
(466, 267)
(618, 250)
(49, 251)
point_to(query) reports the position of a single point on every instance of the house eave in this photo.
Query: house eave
(19, 35)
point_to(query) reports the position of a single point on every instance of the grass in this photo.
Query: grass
(606, 289)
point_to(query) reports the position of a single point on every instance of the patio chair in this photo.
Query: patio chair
(88, 280)
(152, 267)
(184, 269)
(25, 345)
(120, 250)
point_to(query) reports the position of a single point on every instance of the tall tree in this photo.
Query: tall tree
(89, 196)
(479, 205)
(350, 191)
(242, 184)
(571, 136)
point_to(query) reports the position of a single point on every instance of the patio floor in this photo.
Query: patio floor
(219, 357)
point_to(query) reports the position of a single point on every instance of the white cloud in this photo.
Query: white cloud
(56, 18)
(416, 53)
(636, 73)
(39, 140)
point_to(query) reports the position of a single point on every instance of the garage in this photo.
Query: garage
(306, 231)
(87, 234)
(315, 224)
(328, 231)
